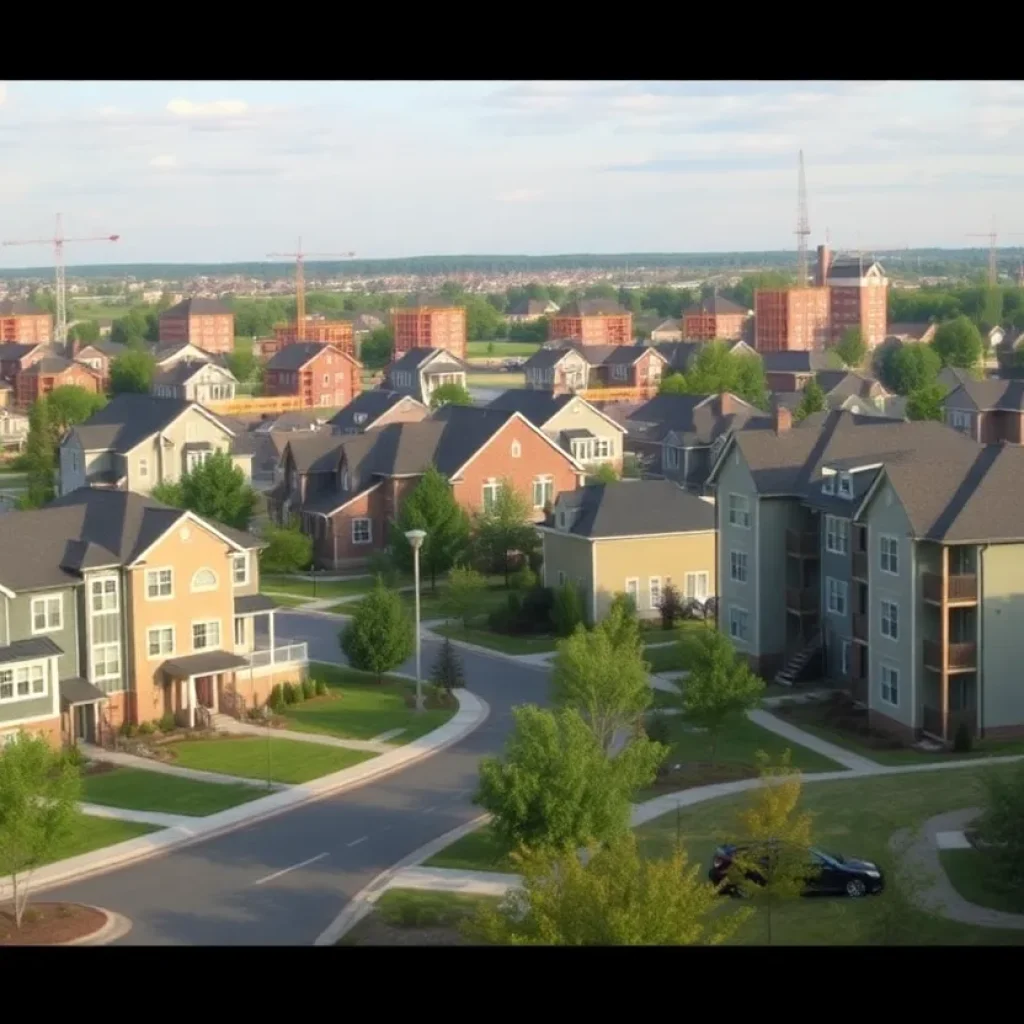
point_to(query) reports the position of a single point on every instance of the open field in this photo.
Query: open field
(502, 349)
(496, 379)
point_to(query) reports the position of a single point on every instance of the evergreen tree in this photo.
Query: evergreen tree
(380, 634)
(448, 671)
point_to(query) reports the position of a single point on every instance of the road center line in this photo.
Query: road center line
(294, 867)
(356, 842)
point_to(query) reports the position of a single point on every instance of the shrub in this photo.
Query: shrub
(321, 688)
(567, 612)
(524, 579)
(288, 692)
(382, 565)
(671, 607)
(74, 756)
(146, 729)
(128, 729)
(276, 699)
(963, 742)
(167, 723)
(308, 689)
(657, 729)
(536, 608)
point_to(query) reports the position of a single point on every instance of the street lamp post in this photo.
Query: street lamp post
(415, 539)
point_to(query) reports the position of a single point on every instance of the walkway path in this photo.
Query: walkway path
(149, 764)
(855, 762)
(375, 746)
(157, 818)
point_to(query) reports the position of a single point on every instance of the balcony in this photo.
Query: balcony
(860, 565)
(860, 627)
(288, 654)
(801, 601)
(802, 544)
(931, 722)
(960, 589)
(963, 657)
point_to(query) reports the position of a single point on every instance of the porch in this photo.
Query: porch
(79, 705)
(195, 684)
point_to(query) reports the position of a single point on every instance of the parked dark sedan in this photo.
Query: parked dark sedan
(827, 873)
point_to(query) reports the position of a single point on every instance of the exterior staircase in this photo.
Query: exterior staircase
(221, 722)
(796, 666)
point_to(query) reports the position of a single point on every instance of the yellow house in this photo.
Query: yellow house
(635, 537)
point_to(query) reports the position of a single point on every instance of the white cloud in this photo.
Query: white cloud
(519, 195)
(164, 161)
(214, 108)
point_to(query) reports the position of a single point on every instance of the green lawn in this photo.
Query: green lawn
(324, 588)
(95, 833)
(979, 879)
(481, 850)
(97, 311)
(854, 817)
(360, 708)
(529, 644)
(291, 602)
(661, 699)
(665, 659)
(502, 349)
(138, 790)
(418, 908)
(290, 761)
(483, 379)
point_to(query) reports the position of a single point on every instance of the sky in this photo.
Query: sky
(225, 171)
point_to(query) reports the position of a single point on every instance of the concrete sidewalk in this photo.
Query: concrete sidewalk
(478, 883)
(540, 660)
(251, 729)
(157, 818)
(149, 764)
(855, 762)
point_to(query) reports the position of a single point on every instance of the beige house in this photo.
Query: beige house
(635, 537)
(137, 441)
(195, 382)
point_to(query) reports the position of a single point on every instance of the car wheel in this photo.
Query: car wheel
(855, 888)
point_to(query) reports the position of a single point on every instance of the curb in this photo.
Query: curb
(178, 837)
(516, 659)
(117, 926)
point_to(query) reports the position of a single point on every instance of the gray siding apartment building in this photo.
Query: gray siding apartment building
(893, 553)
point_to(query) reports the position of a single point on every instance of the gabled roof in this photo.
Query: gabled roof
(366, 408)
(539, 407)
(592, 307)
(610, 355)
(992, 394)
(12, 307)
(852, 266)
(632, 508)
(181, 373)
(297, 355)
(796, 362)
(318, 452)
(161, 353)
(12, 350)
(847, 383)
(111, 349)
(670, 325)
(197, 307)
(287, 422)
(531, 307)
(416, 360)
(915, 331)
(715, 305)
(548, 357)
(695, 420)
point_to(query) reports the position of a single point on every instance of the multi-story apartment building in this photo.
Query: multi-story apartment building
(206, 323)
(429, 323)
(788, 319)
(50, 372)
(320, 376)
(715, 318)
(119, 609)
(339, 333)
(592, 322)
(892, 551)
(858, 297)
(22, 322)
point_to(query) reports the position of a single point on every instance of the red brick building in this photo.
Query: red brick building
(321, 375)
(206, 323)
(592, 322)
(428, 323)
(348, 491)
(791, 319)
(53, 372)
(714, 317)
(858, 296)
(23, 322)
(339, 333)
(14, 358)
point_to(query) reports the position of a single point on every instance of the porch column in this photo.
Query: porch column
(190, 696)
(270, 630)
(944, 641)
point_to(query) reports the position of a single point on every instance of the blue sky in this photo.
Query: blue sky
(213, 171)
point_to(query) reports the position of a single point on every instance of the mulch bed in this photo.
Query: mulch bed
(48, 924)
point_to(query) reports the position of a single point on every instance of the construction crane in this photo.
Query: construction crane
(993, 252)
(58, 242)
(300, 279)
(803, 227)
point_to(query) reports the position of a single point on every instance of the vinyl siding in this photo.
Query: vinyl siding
(1002, 626)
(572, 555)
(836, 629)
(735, 478)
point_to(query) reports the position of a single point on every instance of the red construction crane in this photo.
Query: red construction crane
(58, 241)
(300, 279)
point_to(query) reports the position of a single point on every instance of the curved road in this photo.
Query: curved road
(220, 892)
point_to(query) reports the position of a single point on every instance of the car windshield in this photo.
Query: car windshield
(828, 858)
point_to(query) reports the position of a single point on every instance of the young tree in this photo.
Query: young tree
(813, 400)
(555, 788)
(905, 368)
(1002, 822)
(567, 611)
(617, 898)
(775, 840)
(671, 607)
(39, 454)
(851, 348)
(622, 626)
(461, 599)
(380, 634)
(244, 365)
(216, 488)
(604, 680)
(85, 332)
(288, 550)
(719, 687)
(375, 351)
(431, 507)
(39, 791)
(958, 343)
(674, 384)
(448, 671)
(450, 394)
(132, 373)
(604, 474)
(71, 404)
(926, 402)
(507, 527)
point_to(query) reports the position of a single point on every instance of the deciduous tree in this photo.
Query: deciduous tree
(851, 348)
(958, 343)
(216, 489)
(288, 549)
(132, 373)
(450, 394)
(905, 368)
(506, 528)
(71, 404)
(462, 596)
(813, 400)
(380, 635)
(925, 403)
(604, 474)
(375, 350)
(39, 454)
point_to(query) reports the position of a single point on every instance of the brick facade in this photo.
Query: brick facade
(36, 328)
(328, 379)
(214, 332)
(599, 329)
(34, 382)
(711, 326)
(791, 319)
(430, 327)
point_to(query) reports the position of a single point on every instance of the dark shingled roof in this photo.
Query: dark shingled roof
(851, 266)
(196, 307)
(529, 307)
(365, 409)
(126, 420)
(12, 307)
(76, 690)
(632, 508)
(202, 664)
(537, 406)
(796, 362)
(34, 647)
(592, 307)
(838, 384)
(413, 359)
(53, 364)
(547, 357)
(715, 305)
(1006, 395)
(161, 353)
(181, 373)
(295, 356)
(315, 452)
(696, 419)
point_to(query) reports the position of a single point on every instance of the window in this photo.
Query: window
(240, 569)
(844, 658)
(47, 613)
(890, 685)
(517, 449)
(204, 579)
(327, 379)
(890, 620)
(561, 578)
(143, 467)
(696, 586)
(239, 632)
(159, 584)
(491, 495)
(739, 511)
(344, 479)
(160, 641)
(835, 592)
(106, 661)
(602, 448)
(837, 535)
(828, 483)
(672, 462)
(22, 683)
(104, 594)
(205, 635)
(359, 418)
(362, 531)
(193, 460)
(654, 592)
(620, 372)
(633, 590)
(739, 624)
(845, 485)
(959, 420)
(543, 491)
(889, 548)
(738, 566)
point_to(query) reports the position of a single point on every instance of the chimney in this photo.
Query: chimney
(824, 262)
(783, 419)
(727, 403)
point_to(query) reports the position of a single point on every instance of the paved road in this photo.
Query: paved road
(220, 893)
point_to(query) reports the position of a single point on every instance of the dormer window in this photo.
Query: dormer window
(344, 479)
(561, 519)
(359, 417)
(845, 485)
(828, 484)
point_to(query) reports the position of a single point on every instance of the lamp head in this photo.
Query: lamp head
(416, 538)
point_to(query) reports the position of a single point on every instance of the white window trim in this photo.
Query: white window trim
(240, 622)
(838, 528)
(884, 619)
(516, 450)
(174, 641)
(741, 512)
(542, 482)
(635, 580)
(653, 604)
(244, 556)
(17, 698)
(832, 586)
(206, 622)
(733, 561)
(369, 529)
(828, 483)
(894, 542)
(46, 599)
(198, 588)
(489, 485)
(696, 576)
(671, 456)
(735, 609)
(156, 572)
(95, 676)
(883, 668)
(845, 488)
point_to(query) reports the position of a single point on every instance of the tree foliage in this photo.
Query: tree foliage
(906, 368)
(617, 898)
(431, 507)
(851, 347)
(462, 596)
(926, 402)
(216, 489)
(1002, 822)
(567, 610)
(813, 400)
(40, 456)
(288, 549)
(138, 326)
(958, 343)
(132, 373)
(452, 393)
(716, 370)
(506, 527)
(555, 789)
(69, 405)
(380, 634)
(246, 368)
(39, 791)
(375, 350)
(448, 672)
(85, 332)
(604, 474)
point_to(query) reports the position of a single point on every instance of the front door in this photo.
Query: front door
(205, 691)
(85, 723)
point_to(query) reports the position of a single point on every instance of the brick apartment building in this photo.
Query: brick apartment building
(714, 318)
(320, 375)
(339, 333)
(50, 372)
(16, 357)
(858, 295)
(429, 323)
(592, 322)
(791, 319)
(23, 322)
(206, 323)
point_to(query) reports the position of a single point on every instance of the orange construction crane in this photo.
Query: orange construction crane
(58, 241)
(300, 279)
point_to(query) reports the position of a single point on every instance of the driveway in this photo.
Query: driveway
(284, 880)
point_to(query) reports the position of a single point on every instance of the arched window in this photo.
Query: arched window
(204, 579)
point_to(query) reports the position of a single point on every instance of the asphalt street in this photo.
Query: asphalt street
(283, 881)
